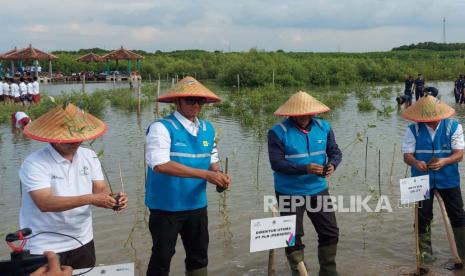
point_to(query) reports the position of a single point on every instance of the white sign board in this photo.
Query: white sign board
(414, 189)
(270, 233)
(126, 269)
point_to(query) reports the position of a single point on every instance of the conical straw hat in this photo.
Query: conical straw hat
(189, 87)
(301, 104)
(69, 125)
(428, 109)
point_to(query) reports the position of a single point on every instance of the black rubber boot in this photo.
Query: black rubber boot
(327, 259)
(426, 249)
(459, 236)
(197, 272)
(294, 259)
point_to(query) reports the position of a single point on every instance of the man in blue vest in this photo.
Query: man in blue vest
(181, 157)
(434, 145)
(303, 153)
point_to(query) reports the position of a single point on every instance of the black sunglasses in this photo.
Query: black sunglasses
(194, 100)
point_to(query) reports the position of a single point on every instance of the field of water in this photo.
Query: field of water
(370, 243)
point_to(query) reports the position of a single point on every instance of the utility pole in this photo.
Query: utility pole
(444, 30)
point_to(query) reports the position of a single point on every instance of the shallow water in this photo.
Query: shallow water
(370, 243)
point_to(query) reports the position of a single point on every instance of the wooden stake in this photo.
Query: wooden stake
(238, 83)
(450, 234)
(271, 254)
(392, 164)
(417, 245)
(121, 176)
(379, 171)
(366, 159)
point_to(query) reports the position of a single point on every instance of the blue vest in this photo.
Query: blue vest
(301, 148)
(172, 193)
(448, 176)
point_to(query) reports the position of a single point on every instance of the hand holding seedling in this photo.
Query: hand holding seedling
(121, 201)
(421, 166)
(329, 170)
(314, 168)
(437, 164)
(102, 200)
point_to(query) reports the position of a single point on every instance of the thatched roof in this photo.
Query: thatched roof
(90, 57)
(9, 52)
(122, 54)
(28, 53)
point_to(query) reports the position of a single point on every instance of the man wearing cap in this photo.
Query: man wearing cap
(434, 145)
(60, 182)
(303, 152)
(181, 157)
(419, 84)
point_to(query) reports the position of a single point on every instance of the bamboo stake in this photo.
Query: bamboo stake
(392, 163)
(450, 234)
(417, 246)
(379, 171)
(366, 159)
(138, 98)
(121, 176)
(271, 253)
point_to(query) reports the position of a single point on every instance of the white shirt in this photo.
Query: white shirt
(409, 142)
(22, 88)
(14, 90)
(6, 89)
(158, 141)
(30, 88)
(18, 116)
(35, 86)
(1, 88)
(46, 168)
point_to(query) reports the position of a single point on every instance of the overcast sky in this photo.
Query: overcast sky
(291, 25)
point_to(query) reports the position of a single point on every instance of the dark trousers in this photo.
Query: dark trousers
(457, 95)
(324, 222)
(418, 94)
(82, 257)
(165, 226)
(454, 207)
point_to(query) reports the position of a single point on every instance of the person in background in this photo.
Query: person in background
(35, 91)
(2, 97)
(181, 157)
(458, 88)
(303, 153)
(419, 85)
(61, 181)
(19, 120)
(433, 145)
(6, 90)
(23, 91)
(30, 89)
(14, 91)
(408, 91)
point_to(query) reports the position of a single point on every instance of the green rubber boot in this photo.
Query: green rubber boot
(459, 235)
(426, 249)
(294, 259)
(197, 272)
(327, 259)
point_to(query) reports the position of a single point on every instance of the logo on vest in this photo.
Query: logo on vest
(205, 143)
(319, 141)
(57, 177)
(84, 171)
(180, 144)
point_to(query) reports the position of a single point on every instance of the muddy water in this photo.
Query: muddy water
(370, 243)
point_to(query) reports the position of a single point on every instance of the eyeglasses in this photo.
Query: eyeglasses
(194, 100)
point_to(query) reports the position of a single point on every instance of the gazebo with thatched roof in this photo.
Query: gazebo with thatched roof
(123, 54)
(29, 54)
(90, 57)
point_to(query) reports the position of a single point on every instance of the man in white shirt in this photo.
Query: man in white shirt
(59, 184)
(6, 90)
(19, 120)
(23, 91)
(30, 89)
(35, 91)
(181, 157)
(14, 91)
(434, 145)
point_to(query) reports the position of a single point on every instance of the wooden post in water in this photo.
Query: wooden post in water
(366, 159)
(417, 245)
(271, 253)
(392, 163)
(172, 82)
(450, 234)
(379, 171)
(238, 83)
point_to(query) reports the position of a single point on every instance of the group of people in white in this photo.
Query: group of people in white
(23, 91)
